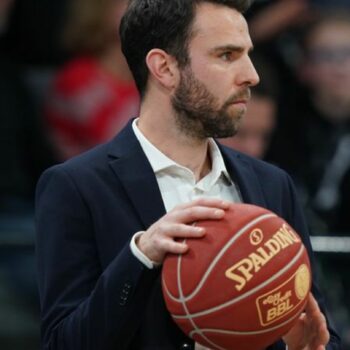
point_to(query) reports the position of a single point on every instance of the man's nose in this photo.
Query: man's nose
(248, 75)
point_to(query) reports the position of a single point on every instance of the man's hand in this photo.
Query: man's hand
(310, 331)
(160, 238)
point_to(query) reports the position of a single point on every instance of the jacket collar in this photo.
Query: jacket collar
(242, 171)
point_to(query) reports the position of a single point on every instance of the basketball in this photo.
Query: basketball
(243, 285)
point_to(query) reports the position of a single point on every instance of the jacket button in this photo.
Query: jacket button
(123, 300)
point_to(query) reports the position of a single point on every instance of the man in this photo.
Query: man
(107, 219)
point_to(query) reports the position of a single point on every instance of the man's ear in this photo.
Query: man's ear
(163, 68)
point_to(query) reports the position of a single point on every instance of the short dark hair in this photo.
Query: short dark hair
(162, 24)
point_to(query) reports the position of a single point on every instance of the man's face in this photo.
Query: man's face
(213, 91)
(199, 112)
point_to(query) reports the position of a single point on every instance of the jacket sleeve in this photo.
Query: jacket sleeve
(83, 305)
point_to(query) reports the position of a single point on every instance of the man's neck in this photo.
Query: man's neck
(164, 134)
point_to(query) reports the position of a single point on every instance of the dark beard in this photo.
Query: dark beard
(198, 113)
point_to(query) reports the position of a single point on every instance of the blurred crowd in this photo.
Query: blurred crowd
(65, 87)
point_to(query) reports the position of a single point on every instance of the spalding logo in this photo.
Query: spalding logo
(256, 236)
(243, 271)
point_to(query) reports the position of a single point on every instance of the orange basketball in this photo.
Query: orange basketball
(243, 285)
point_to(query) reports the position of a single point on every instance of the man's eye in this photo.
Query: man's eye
(226, 56)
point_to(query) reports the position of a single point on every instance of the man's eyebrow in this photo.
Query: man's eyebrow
(233, 48)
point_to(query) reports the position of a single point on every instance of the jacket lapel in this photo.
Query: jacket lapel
(136, 175)
(242, 172)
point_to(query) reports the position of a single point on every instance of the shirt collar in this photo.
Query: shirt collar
(159, 161)
(218, 164)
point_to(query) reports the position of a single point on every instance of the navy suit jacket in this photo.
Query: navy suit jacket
(95, 295)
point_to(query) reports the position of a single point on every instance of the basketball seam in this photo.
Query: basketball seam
(183, 303)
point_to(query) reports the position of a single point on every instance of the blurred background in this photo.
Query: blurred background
(65, 87)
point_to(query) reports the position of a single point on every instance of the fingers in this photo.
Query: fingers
(318, 322)
(156, 247)
(174, 230)
(200, 209)
(310, 331)
(206, 202)
(161, 237)
(323, 331)
(312, 305)
(159, 240)
(168, 245)
(192, 214)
